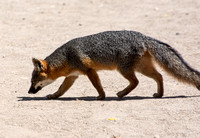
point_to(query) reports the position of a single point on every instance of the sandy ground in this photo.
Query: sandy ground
(35, 28)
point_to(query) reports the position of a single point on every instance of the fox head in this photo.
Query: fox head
(40, 76)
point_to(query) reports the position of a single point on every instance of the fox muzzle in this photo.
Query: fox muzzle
(32, 89)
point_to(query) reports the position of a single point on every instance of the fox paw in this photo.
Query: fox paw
(156, 95)
(101, 97)
(51, 96)
(120, 94)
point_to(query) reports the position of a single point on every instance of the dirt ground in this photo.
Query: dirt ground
(35, 28)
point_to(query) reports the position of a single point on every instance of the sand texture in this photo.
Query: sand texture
(35, 28)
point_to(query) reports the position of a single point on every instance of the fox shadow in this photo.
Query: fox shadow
(93, 98)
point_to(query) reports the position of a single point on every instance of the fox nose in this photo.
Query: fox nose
(32, 90)
(198, 87)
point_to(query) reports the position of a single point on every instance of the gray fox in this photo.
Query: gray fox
(126, 51)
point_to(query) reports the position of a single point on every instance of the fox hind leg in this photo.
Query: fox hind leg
(146, 67)
(130, 76)
(67, 83)
(159, 80)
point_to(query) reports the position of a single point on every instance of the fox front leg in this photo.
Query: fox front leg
(67, 83)
(94, 78)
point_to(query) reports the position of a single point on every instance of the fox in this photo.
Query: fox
(125, 51)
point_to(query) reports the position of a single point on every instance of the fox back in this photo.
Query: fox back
(107, 48)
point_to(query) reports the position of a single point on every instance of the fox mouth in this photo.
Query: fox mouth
(32, 89)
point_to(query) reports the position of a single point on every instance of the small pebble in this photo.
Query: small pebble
(165, 15)
(112, 119)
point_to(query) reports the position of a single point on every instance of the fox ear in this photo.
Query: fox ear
(38, 65)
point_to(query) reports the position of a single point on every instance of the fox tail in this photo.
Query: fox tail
(173, 63)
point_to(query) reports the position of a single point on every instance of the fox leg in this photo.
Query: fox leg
(147, 68)
(159, 80)
(94, 78)
(130, 76)
(67, 83)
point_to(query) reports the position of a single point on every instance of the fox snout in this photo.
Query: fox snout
(32, 89)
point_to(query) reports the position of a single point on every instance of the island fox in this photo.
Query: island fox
(126, 51)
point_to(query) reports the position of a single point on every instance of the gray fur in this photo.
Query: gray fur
(106, 48)
(173, 63)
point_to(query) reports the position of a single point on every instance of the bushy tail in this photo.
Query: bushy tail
(173, 63)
